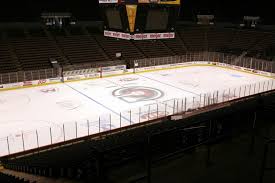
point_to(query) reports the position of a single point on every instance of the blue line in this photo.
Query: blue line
(168, 84)
(98, 102)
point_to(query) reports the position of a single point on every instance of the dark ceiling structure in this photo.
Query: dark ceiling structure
(224, 10)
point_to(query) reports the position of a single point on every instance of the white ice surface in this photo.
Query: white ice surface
(82, 103)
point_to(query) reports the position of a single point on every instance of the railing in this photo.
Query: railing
(22, 76)
(71, 130)
(247, 62)
(75, 129)
(94, 65)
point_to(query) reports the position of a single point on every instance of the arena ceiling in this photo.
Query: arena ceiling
(225, 10)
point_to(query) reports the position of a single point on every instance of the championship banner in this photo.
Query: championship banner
(131, 13)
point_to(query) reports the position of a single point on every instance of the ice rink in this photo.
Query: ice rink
(64, 111)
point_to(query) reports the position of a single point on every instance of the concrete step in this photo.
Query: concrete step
(38, 179)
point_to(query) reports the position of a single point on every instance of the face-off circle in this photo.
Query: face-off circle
(13, 101)
(49, 90)
(69, 104)
(128, 79)
(137, 94)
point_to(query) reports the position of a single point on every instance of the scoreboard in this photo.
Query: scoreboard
(140, 19)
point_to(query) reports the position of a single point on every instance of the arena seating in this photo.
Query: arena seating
(45, 164)
(265, 41)
(112, 46)
(218, 38)
(36, 32)
(8, 60)
(153, 48)
(35, 53)
(12, 179)
(80, 49)
(32, 48)
(80, 159)
(176, 45)
(15, 33)
(242, 40)
(194, 37)
(75, 30)
(71, 161)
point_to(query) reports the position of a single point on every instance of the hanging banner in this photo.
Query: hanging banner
(131, 13)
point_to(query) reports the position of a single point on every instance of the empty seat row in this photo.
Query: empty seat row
(80, 49)
(80, 46)
(5, 178)
(113, 46)
(153, 48)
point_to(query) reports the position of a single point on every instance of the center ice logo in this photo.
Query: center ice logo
(137, 94)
